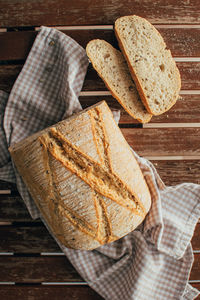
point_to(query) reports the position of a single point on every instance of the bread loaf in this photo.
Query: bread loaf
(113, 69)
(151, 64)
(84, 179)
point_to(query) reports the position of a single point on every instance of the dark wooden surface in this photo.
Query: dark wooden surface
(83, 12)
(189, 72)
(41, 292)
(31, 262)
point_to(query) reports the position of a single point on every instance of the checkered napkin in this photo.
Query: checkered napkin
(152, 262)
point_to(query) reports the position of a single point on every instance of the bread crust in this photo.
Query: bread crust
(89, 191)
(136, 77)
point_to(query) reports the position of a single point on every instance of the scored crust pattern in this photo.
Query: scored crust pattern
(98, 175)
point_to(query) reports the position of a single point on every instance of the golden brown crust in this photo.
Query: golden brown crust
(82, 196)
(143, 121)
(92, 172)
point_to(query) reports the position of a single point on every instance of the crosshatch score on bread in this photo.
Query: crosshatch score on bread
(155, 79)
(90, 191)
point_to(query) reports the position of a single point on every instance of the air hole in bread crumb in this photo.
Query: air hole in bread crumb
(131, 88)
(162, 67)
(106, 56)
(169, 75)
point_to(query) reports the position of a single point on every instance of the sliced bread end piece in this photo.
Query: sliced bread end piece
(151, 65)
(112, 68)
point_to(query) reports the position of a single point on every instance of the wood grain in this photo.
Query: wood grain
(36, 239)
(196, 238)
(190, 77)
(16, 45)
(4, 185)
(49, 292)
(174, 172)
(12, 208)
(163, 141)
(65, 12)
(190, 74)
(195, 272)
(28, 269)
(27, 239)
(181, 112)
(33, 269)
(53, 292)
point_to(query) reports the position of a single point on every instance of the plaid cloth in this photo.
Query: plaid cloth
(152, 262)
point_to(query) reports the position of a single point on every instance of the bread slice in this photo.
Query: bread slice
(112, 68)
(151, 64)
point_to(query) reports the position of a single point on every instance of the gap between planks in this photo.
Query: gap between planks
(170, 125)
(69, 283)
(111, 27)
(59, 254)
(5, 192)
(108, 93)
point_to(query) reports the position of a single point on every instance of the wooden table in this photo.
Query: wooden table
(31, 263)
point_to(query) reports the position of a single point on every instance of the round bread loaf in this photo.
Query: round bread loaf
(84, 179)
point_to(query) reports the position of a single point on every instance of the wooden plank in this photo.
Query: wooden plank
(22, 41)
(27, 239)
(186, 110)
(196, 238)
(36, 269)
(190, 77)
(182, 41)
(163, 141)
(4, 185)
(52, 12)
(16, 45)
(36, 239)
(27, 269)
(8, 75)
(54, 292)
(175, 172)
(195, 272)
(50, 292)
(189, 73)
(13, 209)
